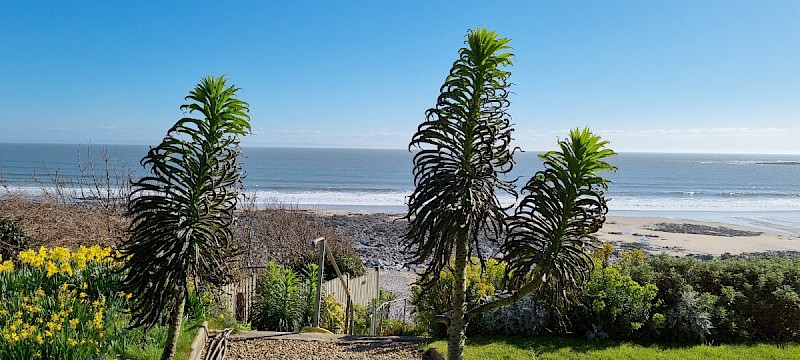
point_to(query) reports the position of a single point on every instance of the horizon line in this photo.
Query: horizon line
(333, 147)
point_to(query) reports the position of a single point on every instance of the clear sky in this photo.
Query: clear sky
(666, 76)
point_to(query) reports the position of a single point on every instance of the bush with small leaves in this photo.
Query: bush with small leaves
(750, 298)
(346, 259)
(522, 318)
(13, 238)
(614, 303)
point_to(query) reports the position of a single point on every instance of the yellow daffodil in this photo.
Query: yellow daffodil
(7, 267)
(61, 254)
(43, 253)
(52, 269)
(31, 257)
(66, 269)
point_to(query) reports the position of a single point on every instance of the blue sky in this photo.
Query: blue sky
(670, 76)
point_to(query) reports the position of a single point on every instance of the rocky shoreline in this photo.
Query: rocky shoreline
(697, 229)
(377, 238)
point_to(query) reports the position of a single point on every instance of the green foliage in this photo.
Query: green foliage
(463, 150)
(395, 327)
(183, 210)
(333, 315)
(744, 299)
(197, 304)
(361, 319)
(348, 261)
(13, 238)
(526, 317)
(152, 342)
(205, 304)
(57, 304)
(284, 299)
(435, 300)
(550, 232)
(690, 318)
(663, 299)
(614, 304)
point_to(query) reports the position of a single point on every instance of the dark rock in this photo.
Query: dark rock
(702, 230)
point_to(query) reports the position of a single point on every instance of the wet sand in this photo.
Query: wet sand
(689, 237)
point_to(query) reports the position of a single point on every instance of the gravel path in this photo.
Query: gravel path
(321, 350)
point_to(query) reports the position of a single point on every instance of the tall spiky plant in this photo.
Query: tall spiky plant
(551, 233)
(463, 152)
(183, 210)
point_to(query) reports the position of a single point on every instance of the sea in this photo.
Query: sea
(754, 190)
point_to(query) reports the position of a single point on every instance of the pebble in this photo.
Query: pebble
(319, 350)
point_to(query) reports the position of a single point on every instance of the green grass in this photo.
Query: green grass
(560, 348)
(156, 339)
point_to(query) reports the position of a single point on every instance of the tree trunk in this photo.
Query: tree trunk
(458, 322)
(175, 326)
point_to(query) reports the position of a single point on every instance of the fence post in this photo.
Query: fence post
(321, 242)
(375, 301)
(372, 323)
(403, 324)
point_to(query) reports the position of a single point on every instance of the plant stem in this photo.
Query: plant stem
(175, 326)
(458, 322)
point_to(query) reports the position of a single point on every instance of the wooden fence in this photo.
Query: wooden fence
(363, 288)
(238, 296)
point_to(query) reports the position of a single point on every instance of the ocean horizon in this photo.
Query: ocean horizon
(760, 190)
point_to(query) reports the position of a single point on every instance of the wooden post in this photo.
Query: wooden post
(321, 243)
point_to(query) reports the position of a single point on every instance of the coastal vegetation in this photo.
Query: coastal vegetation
(551, 276)
(464, 148)
(284, 300)
(62, 304)
(464, 151)
(182, 212)
(653, 300)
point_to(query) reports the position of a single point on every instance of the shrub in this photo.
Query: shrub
(333, 315)
(747, 299)
(12, 238)
(436, 300)
(614, 304)
(690, 318)
(68, 225)
(282, 234)
(523, 318)
(284, 299)
(362, 319)
(348, 261)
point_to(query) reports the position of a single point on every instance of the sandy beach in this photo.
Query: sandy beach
(377, 239)
(377, 235)
(689, 237)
